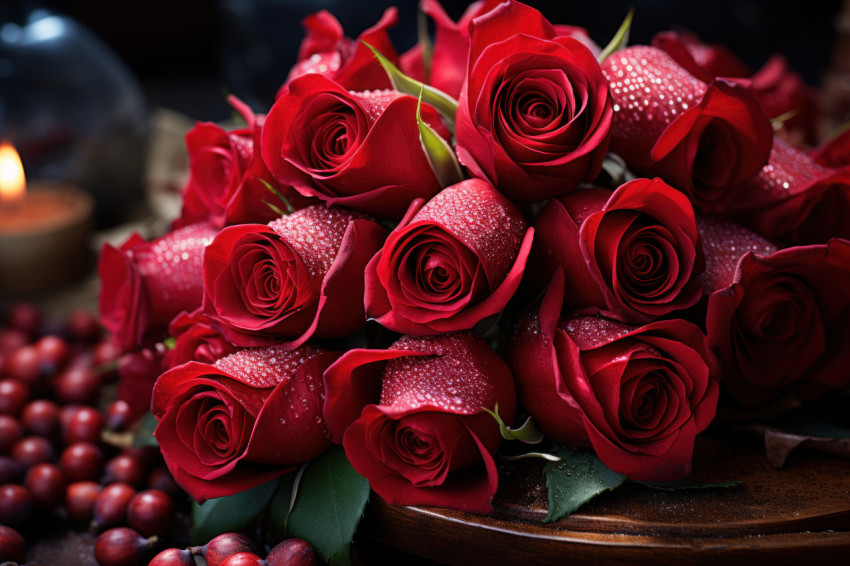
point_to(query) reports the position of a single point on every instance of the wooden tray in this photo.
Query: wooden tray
(797, 515)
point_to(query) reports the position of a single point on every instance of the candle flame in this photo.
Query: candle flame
(12, 181)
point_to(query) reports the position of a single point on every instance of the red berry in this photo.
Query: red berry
(81, 461)
(110, 508)
(24, 364)
(292, 552)
(161, 479)
(41, 417)
(77, 385)
(244, 559)
(11, 471)
(16, 505)
(83, 326)
(53, 352)
(125, 468)
(32, 450)
(46, 483)
(80, 499)
(12, 339)
(11, 431)
(120, 415)
(122, 547)
(12, 545)
(81, 424)
(24, 316)
(173, 557)
(151, 512)
(225, 545)
(13, 395)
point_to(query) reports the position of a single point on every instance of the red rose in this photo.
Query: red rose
(535, 114)
(705, 140)
(795, 200)
(249, 418)
(705, 62)
(781, 322)
(359, 150)
(425, 439)
(197, 338)
(451, 263)
(137, 373)
(326, 50)
(146, 284)
(297, 277)
(224, 175)
(636, 252)
(637, 395)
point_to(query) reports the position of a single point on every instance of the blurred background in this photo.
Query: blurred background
(77, 92)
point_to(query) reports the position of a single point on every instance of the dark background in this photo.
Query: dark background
(187, 53)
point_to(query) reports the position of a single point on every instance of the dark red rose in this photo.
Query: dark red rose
(635, 253)
(196, 338)
(451, 263)
(249, 418)
(359, 150)
(137, 374)
(535, 114)
(297, 277)
(146, 284)
(224, 175)
(637, 396)
(706, 140)
(795, 200)
(412, 422)
(325, 50)
(779, 322)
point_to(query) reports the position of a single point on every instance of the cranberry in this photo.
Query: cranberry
(11, 431)
(41, 417)
(81, 461)
(120, 415)
(24, 364)
(16, 505)
(81, 424)
(13, 395)
(292, 552)
(243, 559)
(151, 512)
(24, 316)
(161, 479)
(46, 483)
(125, 468)
(12, 339)
(80, 499)
(83, 326)
(221, 547)
(122, 547)
(12, 545)
(173, 557)
(110, 508)
(53, 353)
(32, 450)
(77, 385)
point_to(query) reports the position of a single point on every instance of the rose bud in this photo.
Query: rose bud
(777, 320)
(635, 253)
(137, 374)
(535, 115)
(227, 175)
(196, 338)
(145, 284)
(794, 200)
(326, 50)
(706, 140)
(297, 277)
(451, 263)
(425, 439)
(360, 150)
(637, 396)
(246, 419)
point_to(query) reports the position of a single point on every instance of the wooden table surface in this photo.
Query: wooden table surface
(797, 515)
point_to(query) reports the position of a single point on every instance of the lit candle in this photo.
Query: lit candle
(43, 230)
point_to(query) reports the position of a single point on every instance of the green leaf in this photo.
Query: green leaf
(620, 39)
(427, 50)
(575, 480)
(144, 434)
(329, 506)
(437, 150)
(442, 102)
(680, 485)
(528, 432)
(231, 513)
(284, 499)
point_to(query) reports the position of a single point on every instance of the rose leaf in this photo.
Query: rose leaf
(439, 153)
(442, 102)
(620, 39)
(328, 507)
(284, 499)
(144, 434)
(680, 485)
(231, 513)
(575, 480)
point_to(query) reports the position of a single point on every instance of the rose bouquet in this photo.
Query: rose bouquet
(373, 281)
